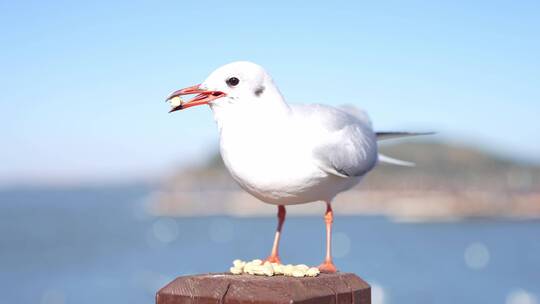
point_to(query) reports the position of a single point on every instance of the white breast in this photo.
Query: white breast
(273, 160)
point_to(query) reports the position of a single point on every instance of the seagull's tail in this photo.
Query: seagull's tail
(395, 161)
(390, 135)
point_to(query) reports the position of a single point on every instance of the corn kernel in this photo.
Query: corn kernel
(235, 270)
(288, 270)
(278, 269)
(297, 273)
(312, 272)
(268, 270)
(239, 263)
(176, 101)
(256, 262)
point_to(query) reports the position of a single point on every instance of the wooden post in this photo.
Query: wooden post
(338, 288)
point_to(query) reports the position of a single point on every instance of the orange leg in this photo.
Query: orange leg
(328, 266)
(274, 255)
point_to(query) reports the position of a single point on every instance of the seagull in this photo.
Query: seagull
(286, 154)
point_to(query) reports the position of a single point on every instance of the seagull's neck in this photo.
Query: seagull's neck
(252, 111)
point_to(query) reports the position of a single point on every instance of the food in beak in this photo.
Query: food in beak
(202, 97)
(175, 102)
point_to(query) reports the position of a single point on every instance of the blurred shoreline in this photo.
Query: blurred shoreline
(449, 183)
(406, 206)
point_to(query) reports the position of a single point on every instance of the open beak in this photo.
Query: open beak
(202, 97)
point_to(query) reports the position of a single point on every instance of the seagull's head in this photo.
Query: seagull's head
(232, 83)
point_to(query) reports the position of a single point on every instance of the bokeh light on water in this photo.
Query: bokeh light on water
(165, 230)
(377, 294)
(520, 296)
(341, 244)
(476, 255)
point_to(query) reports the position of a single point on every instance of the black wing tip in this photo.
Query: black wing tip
(405, 133)
(391, 135)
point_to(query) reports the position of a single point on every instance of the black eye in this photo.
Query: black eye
(233, 81)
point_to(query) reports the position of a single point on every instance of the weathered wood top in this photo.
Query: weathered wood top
(227, 288)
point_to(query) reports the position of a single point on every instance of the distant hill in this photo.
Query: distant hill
(439, 166)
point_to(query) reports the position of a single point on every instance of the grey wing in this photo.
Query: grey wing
(357, 113)
(350, 147)
(351, 152)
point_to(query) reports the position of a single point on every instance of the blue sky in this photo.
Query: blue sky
(82, 84)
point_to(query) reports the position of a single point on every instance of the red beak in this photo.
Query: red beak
(202, 97)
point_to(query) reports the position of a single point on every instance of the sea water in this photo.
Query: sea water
(99, 245)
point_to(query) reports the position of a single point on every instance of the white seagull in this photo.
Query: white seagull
(286, 154)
